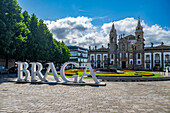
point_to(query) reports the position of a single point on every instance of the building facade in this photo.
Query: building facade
(79, 55)
(130, 52)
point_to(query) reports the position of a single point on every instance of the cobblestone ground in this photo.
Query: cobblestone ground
(115, 97)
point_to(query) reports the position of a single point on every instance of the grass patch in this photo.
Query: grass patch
(127, 73)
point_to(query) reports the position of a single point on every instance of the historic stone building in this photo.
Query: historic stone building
(130, 52)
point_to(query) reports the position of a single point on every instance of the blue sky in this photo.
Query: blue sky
(152, 11)
(155, 15)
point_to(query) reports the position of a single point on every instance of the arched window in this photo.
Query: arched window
(138, 36)
(131, 62)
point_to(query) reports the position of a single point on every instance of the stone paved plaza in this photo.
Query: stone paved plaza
(114, 97)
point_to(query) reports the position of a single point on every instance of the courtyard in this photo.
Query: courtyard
(114, 97)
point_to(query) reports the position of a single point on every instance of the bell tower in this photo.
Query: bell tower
(113, 38)
(139, 36)
(139, 44)
(113, 45)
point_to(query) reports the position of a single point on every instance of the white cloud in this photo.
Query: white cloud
(80, 31)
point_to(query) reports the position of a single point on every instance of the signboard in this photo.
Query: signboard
(36, 68)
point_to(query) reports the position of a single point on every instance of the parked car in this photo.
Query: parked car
(3, 70)
(13, 70)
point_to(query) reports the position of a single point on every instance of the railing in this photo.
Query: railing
(157, 61)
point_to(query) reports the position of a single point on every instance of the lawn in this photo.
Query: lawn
(127, 73)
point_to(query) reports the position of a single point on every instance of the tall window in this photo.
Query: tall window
(112, 56)
(123, 47)
(105, 58)
(131, 56)
(98, 57)
(138, 55)
(123, 55)
(131, 62)
(147, 57)
(157, 57)
(167, 57)
(92, 58)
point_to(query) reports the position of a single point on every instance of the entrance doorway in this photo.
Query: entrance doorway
(123, 64)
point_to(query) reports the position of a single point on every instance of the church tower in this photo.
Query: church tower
(139, 46)
(113, 38)
(113, 46)
(139, 36)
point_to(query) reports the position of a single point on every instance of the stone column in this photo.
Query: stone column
(152, 61)
(143, 62)
(162, 59)
(95, 61)
(108, 62)
(102, 60)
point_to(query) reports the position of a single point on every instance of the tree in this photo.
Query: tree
(25, 37)
(10, 23)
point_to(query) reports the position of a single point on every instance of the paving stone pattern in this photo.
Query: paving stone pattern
(125, 97)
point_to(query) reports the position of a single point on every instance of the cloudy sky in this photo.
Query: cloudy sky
(89, 22)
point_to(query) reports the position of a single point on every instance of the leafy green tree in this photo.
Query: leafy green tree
(25, 37)
(32, 42)
(10, 25)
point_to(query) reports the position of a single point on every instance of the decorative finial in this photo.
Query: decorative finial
(108, 45)
(151, 44)
(138, 17)
(123, 34)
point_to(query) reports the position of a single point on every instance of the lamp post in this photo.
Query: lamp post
(133, 56)
(108, 60)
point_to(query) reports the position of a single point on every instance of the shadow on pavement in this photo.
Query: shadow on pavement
(7, 77)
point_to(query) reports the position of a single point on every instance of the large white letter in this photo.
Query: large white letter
(34, 71)
(54, 72)
(91, 72)
(22, 69)
(63, 68)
